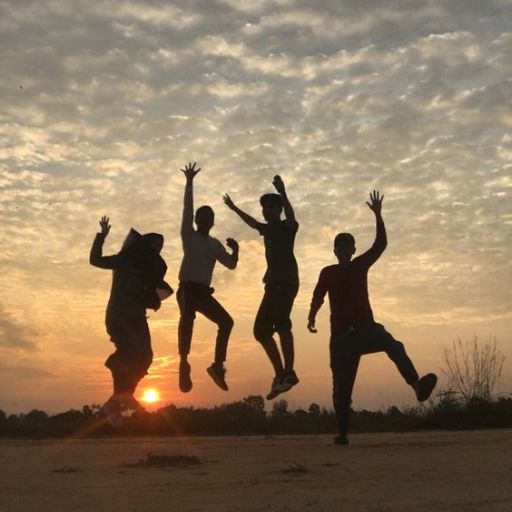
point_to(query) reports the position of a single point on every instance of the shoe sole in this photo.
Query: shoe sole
(213, 375)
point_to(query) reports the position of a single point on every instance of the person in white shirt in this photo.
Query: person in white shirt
(200, 253)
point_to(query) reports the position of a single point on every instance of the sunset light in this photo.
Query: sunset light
(151, 396)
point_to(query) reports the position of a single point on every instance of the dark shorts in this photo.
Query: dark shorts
(275, 309)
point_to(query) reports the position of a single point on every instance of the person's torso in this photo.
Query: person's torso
(279, 239)
(348, 295)
(200, 253)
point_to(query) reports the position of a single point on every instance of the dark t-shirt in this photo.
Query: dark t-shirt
(279, 239)
(347, 287)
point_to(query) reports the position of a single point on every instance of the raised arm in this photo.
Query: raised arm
(229, 260)
(380, 243)
(287, 207)
(187, 221)
(96, 257)
(250, 221)
(317, 301)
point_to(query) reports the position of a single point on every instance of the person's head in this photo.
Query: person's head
(155, 241)
(205, 219)
(344, 247)
(272, 206)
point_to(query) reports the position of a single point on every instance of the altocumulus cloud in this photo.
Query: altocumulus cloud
(105, 101)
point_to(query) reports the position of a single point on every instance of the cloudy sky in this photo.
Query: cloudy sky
(104, 101)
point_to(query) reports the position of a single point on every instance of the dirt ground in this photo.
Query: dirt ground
(432, 471)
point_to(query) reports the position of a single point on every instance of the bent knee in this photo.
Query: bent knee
(262, 334)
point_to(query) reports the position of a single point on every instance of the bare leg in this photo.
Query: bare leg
(286, 338)
(273, 354)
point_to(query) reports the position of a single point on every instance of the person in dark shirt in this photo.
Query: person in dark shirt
(137, 284)
(281, 283)
(354, 331)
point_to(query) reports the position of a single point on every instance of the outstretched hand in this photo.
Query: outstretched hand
(190, 171)
(228, 201)
(232, 244)
(311, 326)
(278, 184)
(375, 203)
(105, 226)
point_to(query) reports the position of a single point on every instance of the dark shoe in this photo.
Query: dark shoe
(288, 380)
(217, 372)
(276, 388)
(185, 381)
(341, 439)
(423, 387)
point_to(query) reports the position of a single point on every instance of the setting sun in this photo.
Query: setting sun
(151, 396)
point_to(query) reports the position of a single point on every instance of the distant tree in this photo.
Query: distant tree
(255, 402)
(314, 409)
(280, 408)
(35, 416)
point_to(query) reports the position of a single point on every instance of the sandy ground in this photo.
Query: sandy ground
(433, 471)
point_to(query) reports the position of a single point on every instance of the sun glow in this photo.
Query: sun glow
(151, 396)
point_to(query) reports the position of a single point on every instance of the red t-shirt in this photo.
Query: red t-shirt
(347, 286)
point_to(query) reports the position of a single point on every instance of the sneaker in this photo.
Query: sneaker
(423, 387)
(112, 410)
(217, 372)
(185, 381)
(288, 380)
(341, 439)
(275, 389)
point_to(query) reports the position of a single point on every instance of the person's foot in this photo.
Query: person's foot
(112, 410)
(423, 387)
(341, 439)
(185, 381)
(217, 372)
(276, 387)
(288, 380)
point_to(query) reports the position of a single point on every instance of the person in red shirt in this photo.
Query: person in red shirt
(354, 331)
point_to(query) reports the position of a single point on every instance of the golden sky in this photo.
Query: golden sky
(104, 101)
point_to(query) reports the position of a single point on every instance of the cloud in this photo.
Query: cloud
(104, 103)
(13, 334)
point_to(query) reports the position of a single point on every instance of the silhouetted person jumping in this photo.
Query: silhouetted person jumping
(137, 284)
(200, 253)
(354, 331)
(281, 283)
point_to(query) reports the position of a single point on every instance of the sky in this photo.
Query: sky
(104, 101)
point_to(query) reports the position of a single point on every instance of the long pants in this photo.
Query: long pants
(346, 349)
(133, 355)
(192, 298)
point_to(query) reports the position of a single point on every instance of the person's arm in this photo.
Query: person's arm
(380, 242)
(287, 207)
(187, 221)
(96, 257)
(250, 221)
(228, 260)
(317, 301)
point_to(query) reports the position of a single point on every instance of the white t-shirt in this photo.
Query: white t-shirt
(200, 253)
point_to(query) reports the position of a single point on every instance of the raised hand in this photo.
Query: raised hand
(279, 185)
(190, 171)
(232, 244)
(228, 201)
(105, 226)
(375, 203)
